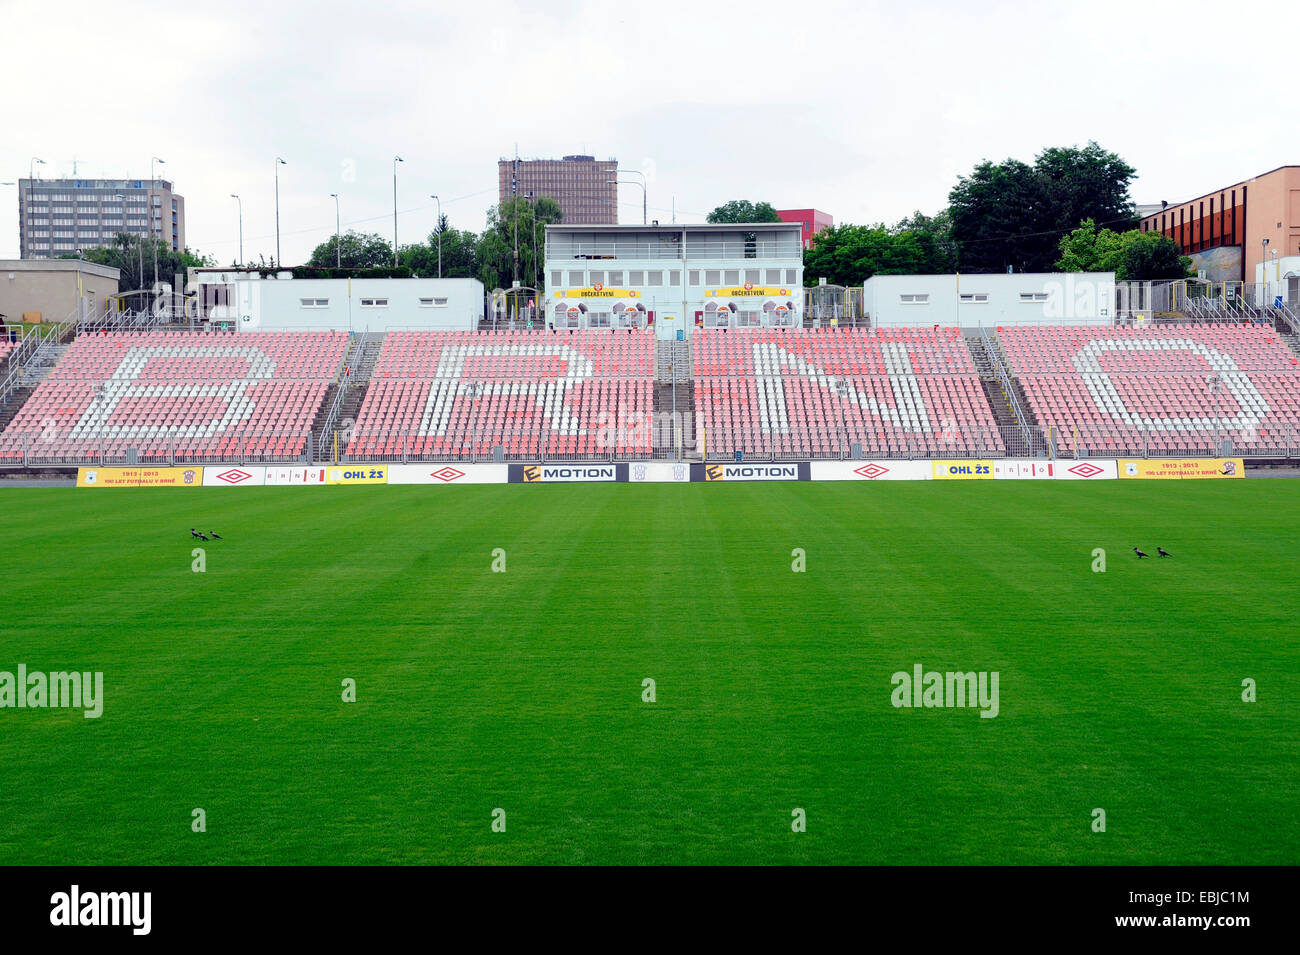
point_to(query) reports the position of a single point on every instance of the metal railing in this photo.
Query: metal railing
(17, 370)
(56, 450)
(647, 443)
(993, 349)
(1091, 440)
(673, 444)
(841, 444)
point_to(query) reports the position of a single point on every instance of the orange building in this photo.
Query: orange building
(1225, 231)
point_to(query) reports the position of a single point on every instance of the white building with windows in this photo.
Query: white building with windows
(990, 300)
(281, 302)
(674, 277)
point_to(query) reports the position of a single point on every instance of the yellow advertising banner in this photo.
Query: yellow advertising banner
(963, 470)
(598, 291)
(139, 477)
(1174, 468)
(357, 474)
(747, 291)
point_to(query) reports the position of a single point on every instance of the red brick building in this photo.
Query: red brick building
(813, 221)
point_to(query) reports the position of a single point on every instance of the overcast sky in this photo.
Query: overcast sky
(867, 111)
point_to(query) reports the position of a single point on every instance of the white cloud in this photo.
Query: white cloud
(867, 111)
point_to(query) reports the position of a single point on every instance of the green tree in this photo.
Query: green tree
(850, 254)
(1088, 249)
(1133, 255)
(1150, 256)
(1013, 215)
(133, 256)
(359, 251)
(458, 253)
(934, 235)
(742, 210)
(514, 224)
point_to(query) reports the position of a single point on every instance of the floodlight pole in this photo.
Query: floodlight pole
(241, 227)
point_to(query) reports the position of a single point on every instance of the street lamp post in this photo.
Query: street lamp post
(1216, 389)
(31, 174)
(241, 227)
(278, 163)
(632, 182)
(1263, 272)
(139, 248)
(153, 180)
(439, 231)
(533, 197)
(514, 274)
(536, 257)
(396, 160)
(637, 172)
(338, 235)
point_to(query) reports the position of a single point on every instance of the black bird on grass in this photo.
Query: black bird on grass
(193, 532)
(1163, 553)
(215, 536)
(203, 537)
(1140, 554)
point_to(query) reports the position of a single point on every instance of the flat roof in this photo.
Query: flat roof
(999, 276)
(680, 227)
(59, 265)
(1215, 192)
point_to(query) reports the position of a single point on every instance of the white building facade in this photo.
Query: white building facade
(971, 301)
(281, 302)
(1280, 278)
(674, 278)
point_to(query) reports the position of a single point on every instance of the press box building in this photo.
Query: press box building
(674, 277)
(990, 300)
(279, 302)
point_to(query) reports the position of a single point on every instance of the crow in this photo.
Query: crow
(1163, 553)
(203, 537)
(193, 532)
(1140, 554)
(215, 536)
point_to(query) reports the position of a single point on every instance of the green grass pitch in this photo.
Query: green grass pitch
(523, 690)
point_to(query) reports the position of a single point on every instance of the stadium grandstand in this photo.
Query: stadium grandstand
(465, 393)
(814, 393)
(165, 396)
(157, 396)
(1166, 390)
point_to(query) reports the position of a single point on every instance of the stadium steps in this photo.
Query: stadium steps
(1292, 342)
(1002, 404)
(672, 355)
(1005, 417)
(352, 401)
(323, 412)
(42, 363)
(673, 373)
(339, 412)
(663, 415)
(367, 356)
(13, 404)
